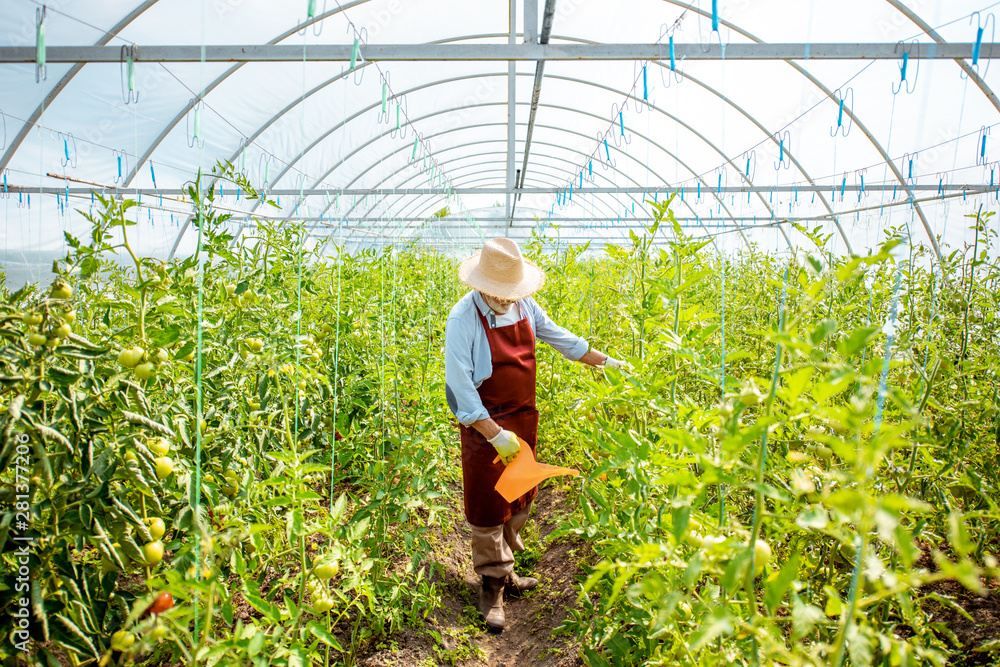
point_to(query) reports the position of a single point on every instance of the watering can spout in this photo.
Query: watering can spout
(524, 473)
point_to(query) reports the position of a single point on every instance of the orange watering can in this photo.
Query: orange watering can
(524, 473)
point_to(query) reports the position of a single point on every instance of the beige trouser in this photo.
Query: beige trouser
(493, 548)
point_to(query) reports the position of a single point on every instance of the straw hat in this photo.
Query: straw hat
(501, 272)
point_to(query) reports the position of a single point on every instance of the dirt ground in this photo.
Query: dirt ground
(455, 634)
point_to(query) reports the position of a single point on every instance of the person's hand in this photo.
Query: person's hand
(506, 444)
(610, 362)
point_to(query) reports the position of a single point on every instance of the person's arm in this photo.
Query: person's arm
(487, 427)
(593, 358)
(570, 345)
(463, 399)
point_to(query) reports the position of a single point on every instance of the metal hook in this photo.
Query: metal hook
(360, 39)
(715, 28)
(750, 172)
(904, 83)
(128, 56)
(383, 114)
(636, 75)
(607, 162)
(981, 26)
(263, 171)
(194, 119)
(981, 147)
(943, 182)
(311, 13)
(41, 69)
(859, 183)
(21, 203)
(784, 141)
(840, 96)
(617, 117)
(402, 118)
(122, 158)
(69, 156)
(907, 167)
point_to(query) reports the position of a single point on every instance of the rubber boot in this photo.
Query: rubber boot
(491, 603)
(517, 585)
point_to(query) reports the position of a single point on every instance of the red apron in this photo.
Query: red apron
(509, 396)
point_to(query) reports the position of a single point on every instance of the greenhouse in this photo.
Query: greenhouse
(274, 277)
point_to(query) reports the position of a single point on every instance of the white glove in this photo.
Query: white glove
(610, 362)
(506, 444)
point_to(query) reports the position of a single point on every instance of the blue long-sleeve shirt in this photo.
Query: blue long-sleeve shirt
(467, 360)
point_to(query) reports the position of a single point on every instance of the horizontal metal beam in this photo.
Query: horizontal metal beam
(501, 52)
(968, 188)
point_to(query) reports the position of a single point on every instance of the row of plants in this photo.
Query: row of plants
(258, 435)
(806, 445)
(219, 454)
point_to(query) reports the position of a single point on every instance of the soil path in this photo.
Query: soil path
(454, 633)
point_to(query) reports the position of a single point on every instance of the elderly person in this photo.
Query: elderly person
(490, 385)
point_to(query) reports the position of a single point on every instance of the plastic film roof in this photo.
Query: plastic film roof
(745, 144)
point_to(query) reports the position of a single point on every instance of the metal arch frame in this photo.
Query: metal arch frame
(168, 128)
(618, 150)
(666, 184)
(491, 154)
(850, 114)
(343, 123)
(490, 176)
(452, 110)
(225, 75)
(898, 6)
(65, 81)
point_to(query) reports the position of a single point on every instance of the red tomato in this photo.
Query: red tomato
(163, 602)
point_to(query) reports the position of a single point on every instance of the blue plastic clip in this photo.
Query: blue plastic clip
(590, 168)
(673, 57)
(699, 189)
(843, 188)
(715, 15)
(841, 97)
(903, 82)
(981, 157)
(581, 180)
(5, 184)
(607, 153)
(682, 194)
(645, 86)
(977, 47)
(719, 190)
(621, 123)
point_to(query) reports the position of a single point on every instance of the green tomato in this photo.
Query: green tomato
(164, 466)
(761, 556)
(159, 446)
(327, 570)
(255, 345)
(323, 605)
(52, 341)
(158, 631)
(130, 456)
(161, 355)
(69, 316)
(230, 289)
(751, 396)
(62, 330)
(156, 528)
(61, 290)
(145, 371)
(37, 339)
(121, 640)
(32, 319)
(153, 552)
